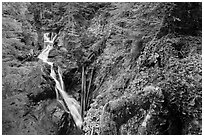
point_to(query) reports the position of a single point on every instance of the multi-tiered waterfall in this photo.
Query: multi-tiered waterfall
(69, 104)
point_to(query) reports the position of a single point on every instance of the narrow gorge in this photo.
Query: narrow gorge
(101, 68)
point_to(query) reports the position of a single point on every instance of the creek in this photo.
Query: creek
(69, 104)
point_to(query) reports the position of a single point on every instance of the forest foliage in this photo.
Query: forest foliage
(157, 91)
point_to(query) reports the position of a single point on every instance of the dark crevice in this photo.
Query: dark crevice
(66, 126)
(46, 94)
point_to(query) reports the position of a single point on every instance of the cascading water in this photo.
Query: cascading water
(69, 104)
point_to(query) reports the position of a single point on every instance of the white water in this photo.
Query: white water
(69, 104)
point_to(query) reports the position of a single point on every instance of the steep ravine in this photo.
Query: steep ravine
(137, 67)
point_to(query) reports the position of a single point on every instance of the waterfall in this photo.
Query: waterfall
(69, 104)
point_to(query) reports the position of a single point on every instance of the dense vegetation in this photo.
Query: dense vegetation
(140, 62)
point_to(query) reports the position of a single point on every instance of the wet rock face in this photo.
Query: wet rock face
(25, 110)
(20, 118)
(12, 112)
(30, 106)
